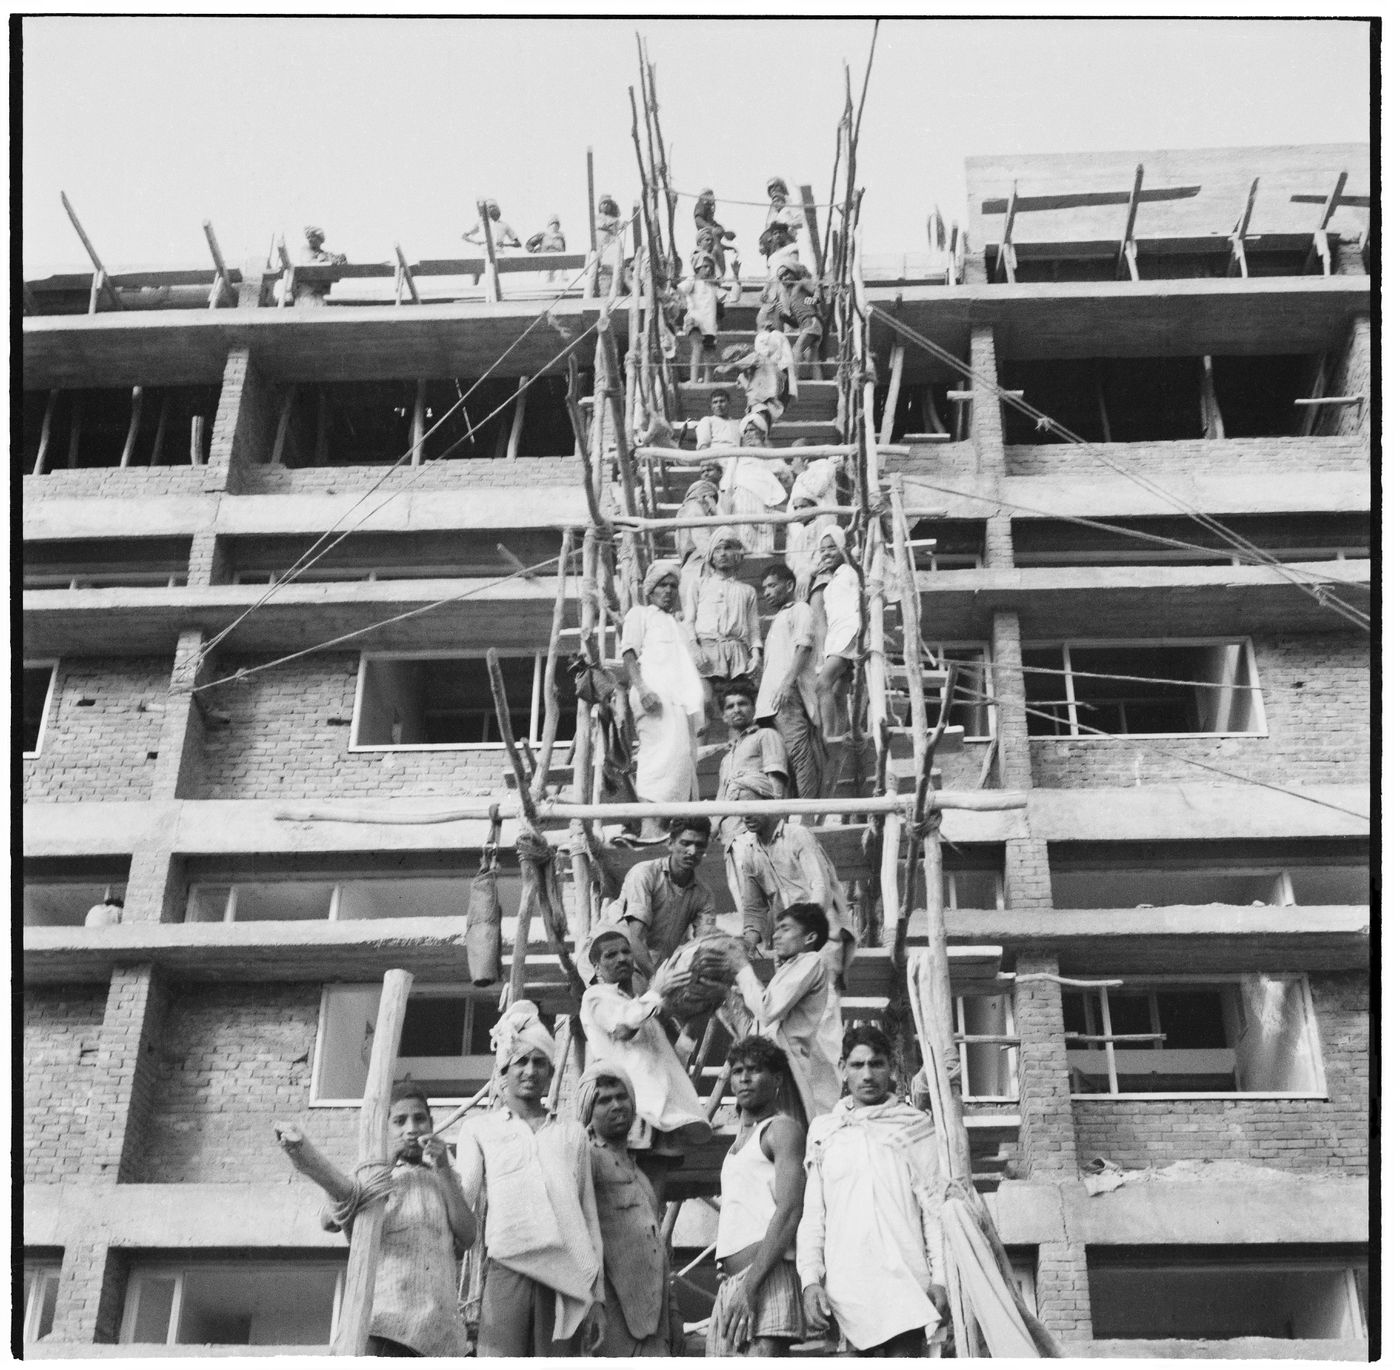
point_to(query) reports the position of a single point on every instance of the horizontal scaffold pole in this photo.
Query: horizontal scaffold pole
(728, 520)
(716, 453)
(982, 801)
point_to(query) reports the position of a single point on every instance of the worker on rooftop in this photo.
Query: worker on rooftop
(314, 254)
(758, 1309)
(780, 208)
(543, 1288)
(869, 1252)
(625, 1030)
(550, 240)
(667, 696)
(609, 258)
(637, 1286)
(502, 234)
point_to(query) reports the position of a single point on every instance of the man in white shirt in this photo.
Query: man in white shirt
(869, 1252)
(717, 429)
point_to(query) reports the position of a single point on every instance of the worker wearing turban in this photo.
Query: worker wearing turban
(588, 1084)
(667, 697)
(518, 1031)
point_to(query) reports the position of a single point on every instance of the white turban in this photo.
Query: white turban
(656, 573)
(518, 1031)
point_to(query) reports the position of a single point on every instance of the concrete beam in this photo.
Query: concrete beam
(1147, 318)
(1195, 1213)
(1140, 600)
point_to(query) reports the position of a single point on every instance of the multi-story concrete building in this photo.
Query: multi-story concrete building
(1187, 713)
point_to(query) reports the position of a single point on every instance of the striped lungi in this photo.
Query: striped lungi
(779, 1309)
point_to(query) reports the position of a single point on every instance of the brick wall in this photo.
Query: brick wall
(1316, 708)
(114, 482)
(1045, 1146)
(1236, 456)
(1308, 1135)
(943, 462)
(232, 1058)
(533, 472)
(101, 750)
(1352, 377)
(280, 744)
(62, 1031)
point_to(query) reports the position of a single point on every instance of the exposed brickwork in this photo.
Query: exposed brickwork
(91, 1293)
(233, 1058)
(1046, 1144)
(208, 563)
(279, 743)
(232, 413)
(1351, 377)
(935, 461)
(1239, 456)
(155, 889)
(119, 1102)
(999, 550)
(1308, 1135)
(1008, 685)
(1027, 874)
(101, 750)
(62, 1032)
(531, 472)
(988, 431)
(182, 737)
(112, 482)
(1316, 707)
(1062, 1289)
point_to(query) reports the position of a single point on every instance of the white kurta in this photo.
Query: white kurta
(666, 738)
(665, 1097)
(841, 607)
(863, 1234)
(749, 487)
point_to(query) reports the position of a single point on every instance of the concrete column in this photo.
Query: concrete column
(119, 1104)
(988, 434)
(91, 1292)
(998, 553)
(208, 564)
(1009, 688)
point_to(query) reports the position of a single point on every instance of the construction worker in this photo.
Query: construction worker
(543, 1288)
(313, 293)
(758, 1308)
(502, 234)
(637, 1288)
(869, 1254)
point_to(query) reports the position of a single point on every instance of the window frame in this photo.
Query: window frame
(451, 990)
(939, 649)
(1155, 983)
(536, 700)
(39, 1272)
(177, 1271)
(36, 664)
(1092, 643)
(962, 1040)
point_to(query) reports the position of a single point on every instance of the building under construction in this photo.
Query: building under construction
(1108, 452)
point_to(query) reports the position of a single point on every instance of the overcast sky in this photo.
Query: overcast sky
(384, 129)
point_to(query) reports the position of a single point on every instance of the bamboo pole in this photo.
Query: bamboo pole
(551, 689)
(643, 525)
(971, 801)
(222, 280)
(45, 430)
(493, 279)
(129, 446)
(101, 280)
(352, 1330)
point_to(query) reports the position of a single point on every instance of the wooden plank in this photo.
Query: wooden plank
(1127, 257)
(405, 276)
(222, 280)
(44, 432)
(356, 1305)
(809, 212)
(1085, 199)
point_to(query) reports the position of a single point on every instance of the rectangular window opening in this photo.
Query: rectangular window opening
(1137, 689)
(40, 1296)
(36, 695)
(446, 701)
(1253, 1034)
(1221, 1293)
(96, 563)
(445, 1047)
(168, 425)
(234, 1303)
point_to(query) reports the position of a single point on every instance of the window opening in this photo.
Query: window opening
(36, 692)
(40, 1298)
(921, 407)
(446, 701)
(1212, 689)
(987, 1046)
(242, 1303)
(1252, 1035)
(1219, 1293)
(94, 563)
(349, 900)
(948, 544)
(971, 688)
(1107, 399)
(445, 1046)
(170, 425)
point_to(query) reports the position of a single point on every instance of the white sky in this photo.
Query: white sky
(388, 129)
